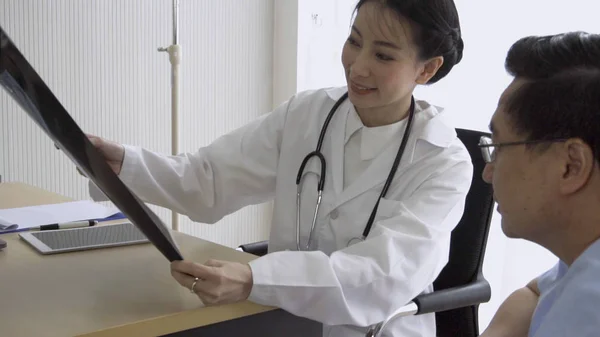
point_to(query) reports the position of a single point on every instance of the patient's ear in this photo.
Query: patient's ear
(578, 164)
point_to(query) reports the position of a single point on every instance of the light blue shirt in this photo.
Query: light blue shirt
(569, 303)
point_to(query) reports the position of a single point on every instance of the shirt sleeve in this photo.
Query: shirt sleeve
(364, 283)
(236, 170)
(545, 281)
(570, 307)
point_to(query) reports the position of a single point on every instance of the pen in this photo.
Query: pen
(65, 225)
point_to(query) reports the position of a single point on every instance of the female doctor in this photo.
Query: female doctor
(387, 180)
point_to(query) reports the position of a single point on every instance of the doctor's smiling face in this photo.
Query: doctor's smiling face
(385, 56)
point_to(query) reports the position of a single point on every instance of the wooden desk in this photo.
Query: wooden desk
(124, 291)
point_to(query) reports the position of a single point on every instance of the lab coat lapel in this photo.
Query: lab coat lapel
(429, 125)
(378, 171)
(336, 153)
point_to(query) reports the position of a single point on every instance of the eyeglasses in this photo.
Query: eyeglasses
(489, 149)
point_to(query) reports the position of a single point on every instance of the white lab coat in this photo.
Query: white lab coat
(346, 288)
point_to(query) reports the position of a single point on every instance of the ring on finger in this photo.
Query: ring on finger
(192, 288)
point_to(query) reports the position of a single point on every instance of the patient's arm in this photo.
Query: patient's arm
(514, 315)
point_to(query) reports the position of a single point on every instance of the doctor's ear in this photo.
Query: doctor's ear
(428, 69)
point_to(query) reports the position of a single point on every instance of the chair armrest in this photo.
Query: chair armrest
(375, 330)
(437, 301)
(256, 248)
(454, 298)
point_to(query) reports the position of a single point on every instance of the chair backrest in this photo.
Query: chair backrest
(467, 247)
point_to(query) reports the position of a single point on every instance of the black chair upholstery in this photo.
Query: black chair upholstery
(461, 287)
(467, 248)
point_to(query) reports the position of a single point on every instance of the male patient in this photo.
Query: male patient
(544, 165)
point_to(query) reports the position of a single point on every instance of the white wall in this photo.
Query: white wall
(285, 50)
(470, 92)
(100, 59)
(227, 80)
(309, 35)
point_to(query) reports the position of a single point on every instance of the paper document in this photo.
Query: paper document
(32, 216)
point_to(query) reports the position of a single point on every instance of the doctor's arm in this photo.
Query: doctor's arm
(363, 284)
(514, 315)
(236, 170)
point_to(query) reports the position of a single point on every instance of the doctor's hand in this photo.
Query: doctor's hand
(112, 152)
(219, 282)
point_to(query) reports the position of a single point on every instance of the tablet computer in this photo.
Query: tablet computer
(84, 238)
(21, 81)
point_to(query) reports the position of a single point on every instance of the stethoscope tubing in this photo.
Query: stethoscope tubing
(317, 153)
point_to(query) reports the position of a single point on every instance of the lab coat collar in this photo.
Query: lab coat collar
(373, 140)
(436, 131)
(336, 92)
(430, 125)
(353, 124)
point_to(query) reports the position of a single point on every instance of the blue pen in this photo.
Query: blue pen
(7, 227)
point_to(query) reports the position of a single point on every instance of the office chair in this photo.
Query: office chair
(461, 287)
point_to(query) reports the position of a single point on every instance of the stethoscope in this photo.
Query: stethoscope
(317, 153)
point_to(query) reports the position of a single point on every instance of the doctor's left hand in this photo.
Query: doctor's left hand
(219, 282)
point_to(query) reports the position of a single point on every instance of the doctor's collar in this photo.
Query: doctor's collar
(336, 92)
(431, 125)
(437, 130)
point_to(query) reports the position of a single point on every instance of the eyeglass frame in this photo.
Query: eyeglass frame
(488, 158)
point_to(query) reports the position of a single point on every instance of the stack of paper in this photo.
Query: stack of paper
(33, 216)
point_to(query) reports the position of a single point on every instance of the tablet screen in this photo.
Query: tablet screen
(84, 238)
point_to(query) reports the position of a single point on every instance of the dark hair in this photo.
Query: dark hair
(560, 95)
(438, 32)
